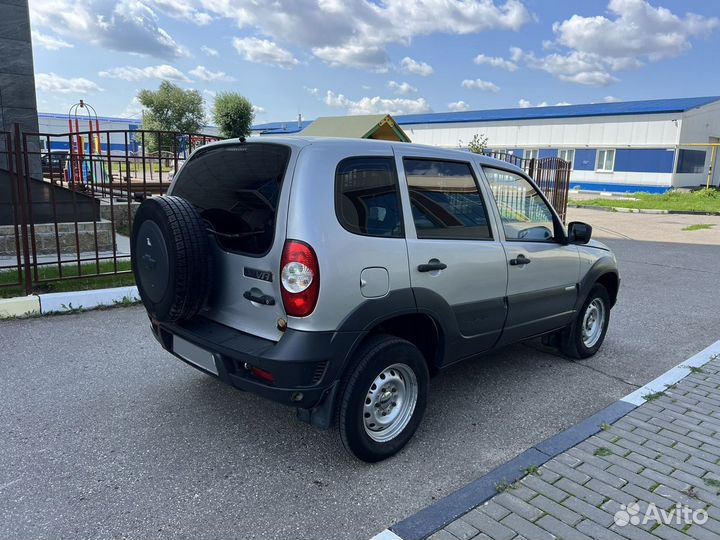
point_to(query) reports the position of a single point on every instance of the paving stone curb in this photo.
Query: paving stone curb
(575, 472)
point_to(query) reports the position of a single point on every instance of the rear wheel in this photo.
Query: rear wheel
(384, 398)
(587, 333)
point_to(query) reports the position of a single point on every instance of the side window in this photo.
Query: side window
(525, 215)
(367, 201)
(445, 200)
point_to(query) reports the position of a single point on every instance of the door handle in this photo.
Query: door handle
(432, 264)
(520, 260)
(259, 298)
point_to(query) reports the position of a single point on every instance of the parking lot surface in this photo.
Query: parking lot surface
(104, 434)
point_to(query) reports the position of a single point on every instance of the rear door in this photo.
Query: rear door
(458, 269)
(543, 270)
(241, 192)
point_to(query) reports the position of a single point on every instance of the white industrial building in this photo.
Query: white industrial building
(619, 146)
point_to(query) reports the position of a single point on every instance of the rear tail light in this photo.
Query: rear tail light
(300, 278)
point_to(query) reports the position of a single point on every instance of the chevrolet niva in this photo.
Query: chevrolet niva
(336, 275)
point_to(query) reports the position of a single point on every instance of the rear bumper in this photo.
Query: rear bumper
(305, 365)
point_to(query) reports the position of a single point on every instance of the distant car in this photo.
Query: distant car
(336, 275)
(53, 164)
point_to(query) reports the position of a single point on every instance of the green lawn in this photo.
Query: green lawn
(95, 280)
(704, 200)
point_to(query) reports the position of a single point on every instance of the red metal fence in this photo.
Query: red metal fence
(67, 200)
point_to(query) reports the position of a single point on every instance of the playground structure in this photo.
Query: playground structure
(85, 164)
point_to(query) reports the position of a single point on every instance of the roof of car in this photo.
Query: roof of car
(423, 150)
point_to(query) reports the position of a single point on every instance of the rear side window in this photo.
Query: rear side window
(367, 201)
(445, 200)
(236, 189)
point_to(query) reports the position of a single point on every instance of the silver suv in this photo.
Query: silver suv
(337, 275)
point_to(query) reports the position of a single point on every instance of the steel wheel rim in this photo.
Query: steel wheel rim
(593, 322)
(390, 402)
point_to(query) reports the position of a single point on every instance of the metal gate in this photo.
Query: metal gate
(67, 202)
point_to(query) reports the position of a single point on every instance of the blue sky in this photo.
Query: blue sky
(331, 57)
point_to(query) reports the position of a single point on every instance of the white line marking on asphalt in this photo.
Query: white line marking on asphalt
(673, 375)
(387, 534)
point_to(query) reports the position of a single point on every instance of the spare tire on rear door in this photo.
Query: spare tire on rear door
(170, 258)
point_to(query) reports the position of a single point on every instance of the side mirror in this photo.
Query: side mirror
(579, 232)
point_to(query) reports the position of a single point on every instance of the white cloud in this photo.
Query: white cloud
(204, 74)
(409, 65)
(495, 61)
(312, 91)
(610, 99)
(51, 43)
(132, 73)
(458, 106)
(263, 51)
(50, 82)
(356, 56)
(357, 33)
(124, 25)
(181, 9)
(209, 50)
(575, 66)
(636, 29)
(258, 110)
(402, 88)
(524, 103)
(597, 47)
(377, 105)
(209, 93)
(480, 85)
(133, 110)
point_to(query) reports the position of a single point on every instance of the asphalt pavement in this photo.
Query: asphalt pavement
(103, 434)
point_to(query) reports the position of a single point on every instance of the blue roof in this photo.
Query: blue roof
(282, 127)
(617, 108)
(84, 117)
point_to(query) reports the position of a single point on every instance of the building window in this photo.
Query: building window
(568, 154)
(531, 154)
(605, 160)
(367, 201)
(445, 201)
(691, 161)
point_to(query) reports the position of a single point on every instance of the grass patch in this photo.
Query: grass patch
(699, 227)
(653, 395)
(532, 469)
(712, 482)
(703, 200)
(695, 369)
(503, 486)
(97, 278)
(602, 451)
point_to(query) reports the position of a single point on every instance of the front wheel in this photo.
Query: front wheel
(384, 398)
(587, 333)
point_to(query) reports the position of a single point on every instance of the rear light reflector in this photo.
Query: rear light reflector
(300, 278)
(262, 374)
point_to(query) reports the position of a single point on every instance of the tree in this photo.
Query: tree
(233, 114)
(170, 108)
(478, 144)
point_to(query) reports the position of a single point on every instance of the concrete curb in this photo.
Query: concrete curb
(21, 306)
(436, 516)
(63, 302)
(642, 210)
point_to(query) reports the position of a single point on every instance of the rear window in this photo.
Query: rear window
(367, 201)
(236, 189)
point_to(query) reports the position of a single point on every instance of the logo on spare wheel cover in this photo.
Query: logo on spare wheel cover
(263, 275)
